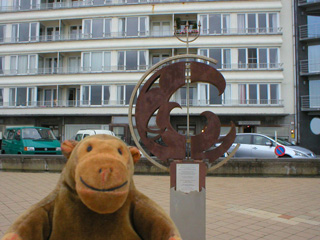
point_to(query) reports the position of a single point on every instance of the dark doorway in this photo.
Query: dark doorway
(248, 129)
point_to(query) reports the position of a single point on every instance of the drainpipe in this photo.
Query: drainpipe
(296, 74)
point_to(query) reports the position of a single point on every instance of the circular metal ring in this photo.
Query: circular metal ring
(152, 69)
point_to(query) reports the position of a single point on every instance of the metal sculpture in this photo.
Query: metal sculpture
(165, 142)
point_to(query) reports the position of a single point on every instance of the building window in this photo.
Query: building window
(96, 61)
(1, 97)
(157, 57)
(95, 95)
(223, 56)
(132, 60)
(74, 64)
(313, 26)
(23, 64)
(97, 28)
(314, 86)
(51, 65)
(2, 33)
(124, 93)
(75, 32)
(25, 32)
(215, 23)
(4, 5)
(106, 95)
(161, 29)
(21, 96)
(259, 94)
(257, 23)
(209, 94)
(258, 58)
(133, 26)
(52, 33)
(26, 4)
(1, 65)
(314, 58)
(50, 97)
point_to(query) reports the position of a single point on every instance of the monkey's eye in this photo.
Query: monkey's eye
(89, 148)
(119, 151)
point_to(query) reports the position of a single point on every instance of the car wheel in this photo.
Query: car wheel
(286, 156)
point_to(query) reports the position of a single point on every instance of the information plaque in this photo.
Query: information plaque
(187, 177)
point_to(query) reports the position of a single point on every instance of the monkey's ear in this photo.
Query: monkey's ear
(135, 154)
(67, 146)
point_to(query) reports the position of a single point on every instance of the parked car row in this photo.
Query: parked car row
(40, 140)
(254, 145)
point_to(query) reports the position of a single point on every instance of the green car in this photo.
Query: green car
(30, 140)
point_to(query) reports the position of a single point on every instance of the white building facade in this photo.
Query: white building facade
(71, 65)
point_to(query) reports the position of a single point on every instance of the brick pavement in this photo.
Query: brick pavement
(237, 208)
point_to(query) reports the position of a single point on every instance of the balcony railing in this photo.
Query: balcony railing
(310, 103)
(231, 102)
(304, 2)
(80, 36)
(309, 67)
(108, 103)
(310, 31)
(86, 3)
(124, 68)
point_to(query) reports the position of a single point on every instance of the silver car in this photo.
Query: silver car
(260, 146)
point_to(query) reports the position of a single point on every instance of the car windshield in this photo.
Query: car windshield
(37, 134)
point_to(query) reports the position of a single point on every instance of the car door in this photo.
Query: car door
(9, 142)
(262, 147)
(245, 145)
(17, 142)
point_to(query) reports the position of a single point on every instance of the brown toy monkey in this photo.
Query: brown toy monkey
(95, 199)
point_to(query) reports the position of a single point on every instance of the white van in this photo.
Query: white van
(81, 134)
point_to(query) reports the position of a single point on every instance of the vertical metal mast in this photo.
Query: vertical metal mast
(188, 79)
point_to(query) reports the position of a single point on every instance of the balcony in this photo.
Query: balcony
(85, 3)
(309, 67)
(71, 70)
(310, 103)
(311, 7)
(124, 68)
(108, 103)
(309, 32)
(307, 2)
(149, 34)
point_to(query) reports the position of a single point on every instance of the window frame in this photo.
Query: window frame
(88, 102)
(90, 34)
(224, 98)
(103, 67)
(222, 63)
(123, 26)
(15, 71)
(248, 99)
(257, 29)
(15, 34)
(205, 22)
(13, 97)
(122, 66)
(259, 65)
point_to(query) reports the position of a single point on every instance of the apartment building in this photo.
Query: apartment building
(71, 65)
(307, 22)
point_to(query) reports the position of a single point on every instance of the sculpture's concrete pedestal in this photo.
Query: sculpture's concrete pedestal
(188, 199)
